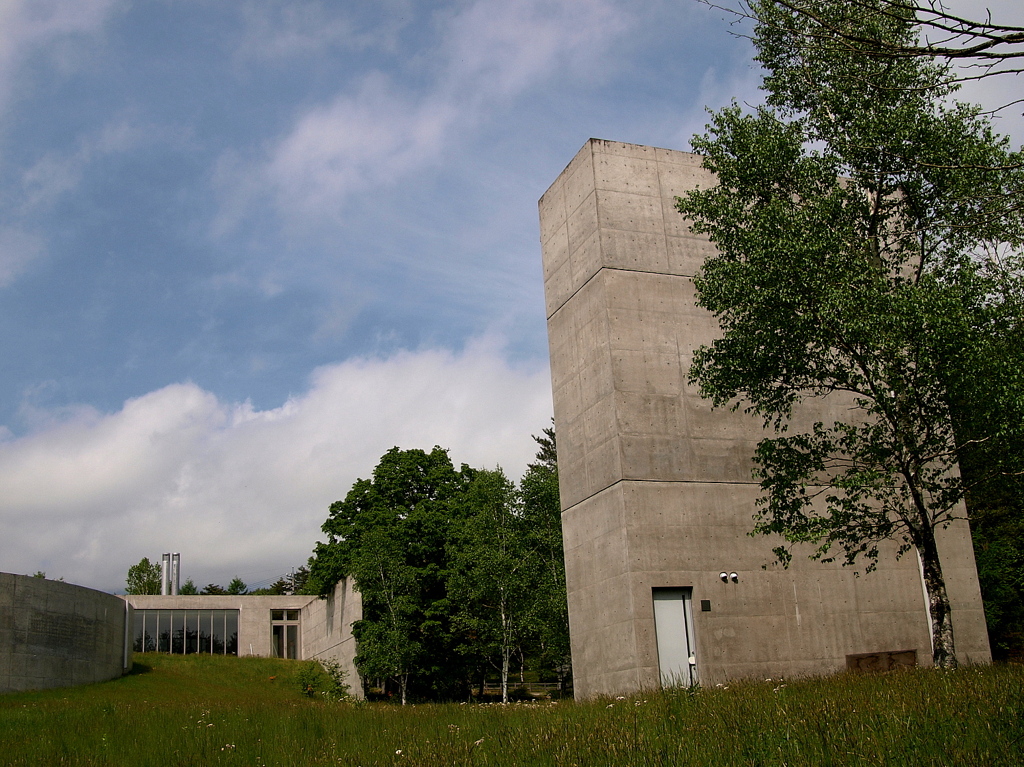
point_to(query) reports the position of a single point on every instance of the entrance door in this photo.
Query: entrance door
(673, 625)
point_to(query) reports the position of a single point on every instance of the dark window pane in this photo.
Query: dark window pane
(177, 631)
(206, 630)
(293, 641)
(220, 639)
(138, 631)
(292, 615)
(278, 641)
(231, 631)
(191, 631)
(163, 630)
(277, 615)
(151, 633)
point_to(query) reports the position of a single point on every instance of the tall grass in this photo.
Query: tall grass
(198, 710)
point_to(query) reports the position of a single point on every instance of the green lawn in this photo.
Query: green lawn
(199, 709)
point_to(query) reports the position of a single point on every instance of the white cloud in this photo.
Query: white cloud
(27, 26)
(56, 174)
(500, 49)
(18, 249)
(718, 89)
(373, 134)
(370, 138)
(275, 29)
(242, 491)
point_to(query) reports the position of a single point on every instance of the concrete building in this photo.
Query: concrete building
(299, 627)
(55, 634)
(664, 582)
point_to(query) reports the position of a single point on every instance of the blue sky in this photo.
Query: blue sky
(246, 247)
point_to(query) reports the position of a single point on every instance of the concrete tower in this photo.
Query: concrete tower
(664, 583)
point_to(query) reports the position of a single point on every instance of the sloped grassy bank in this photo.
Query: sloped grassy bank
(199, 710)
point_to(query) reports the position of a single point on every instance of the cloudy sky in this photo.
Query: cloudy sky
(247, 247)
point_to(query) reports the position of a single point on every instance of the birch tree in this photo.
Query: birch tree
(868, 233)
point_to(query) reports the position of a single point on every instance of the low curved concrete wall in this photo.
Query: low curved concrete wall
(55, 634)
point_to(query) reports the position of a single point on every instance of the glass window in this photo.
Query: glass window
(219, 638)
(292, 651)
(163, 630)
(284, 628)
(186, 631)
(191, 631)
(206, 630)
(139, 626)
(177, 631)
(277, 639)
(231, 631)
(150, 635)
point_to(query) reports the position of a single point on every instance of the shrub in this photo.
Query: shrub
(323, 679)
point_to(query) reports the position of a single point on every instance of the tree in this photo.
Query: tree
(987, 47)
(279, 587)
(495, 571)
(213, 589)
(143, 578)
(865, 230)
(188, 587)
(237, 587)
(547, 453)
(390, 535)
(292, 583)
(997, 525)
(542, 517)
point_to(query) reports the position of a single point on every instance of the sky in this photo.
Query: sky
(247, 247)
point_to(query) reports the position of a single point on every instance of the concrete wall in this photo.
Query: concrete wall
(55, 634)
(656, 488)
(327, 626)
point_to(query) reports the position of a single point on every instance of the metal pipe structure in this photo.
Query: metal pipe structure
(165, 574)
(175, 573)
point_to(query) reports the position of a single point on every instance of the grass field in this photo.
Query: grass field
(201, 709)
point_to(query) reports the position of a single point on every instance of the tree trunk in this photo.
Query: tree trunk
(504, 676)
(943, 650)
(505, 653)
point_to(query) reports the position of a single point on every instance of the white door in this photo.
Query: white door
(673, 625)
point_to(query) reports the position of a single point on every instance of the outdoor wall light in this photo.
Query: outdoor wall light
(724, 577)
(734, 577)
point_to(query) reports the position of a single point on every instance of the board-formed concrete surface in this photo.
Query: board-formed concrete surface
(55, 634)
(327, 630)
(656, 487)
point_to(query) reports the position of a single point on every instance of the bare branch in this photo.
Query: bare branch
(966, 42)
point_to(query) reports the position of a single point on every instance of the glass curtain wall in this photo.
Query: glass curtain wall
(186, 631)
